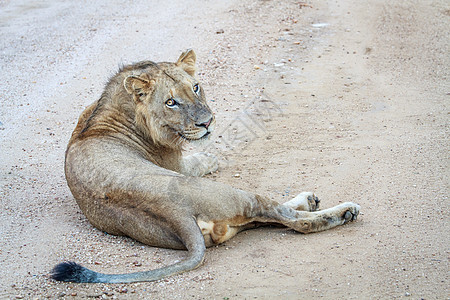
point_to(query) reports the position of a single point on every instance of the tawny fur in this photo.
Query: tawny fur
(124, 166)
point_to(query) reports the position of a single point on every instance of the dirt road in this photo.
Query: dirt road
(348, 99)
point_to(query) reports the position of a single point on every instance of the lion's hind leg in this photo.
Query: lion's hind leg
(308, 222)
(305, 221)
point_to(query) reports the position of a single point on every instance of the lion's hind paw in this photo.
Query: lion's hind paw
(351, 213)
(305, 201)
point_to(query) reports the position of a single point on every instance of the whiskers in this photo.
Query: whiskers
(178, 142)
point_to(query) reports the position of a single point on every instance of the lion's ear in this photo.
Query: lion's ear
(138, 86)
(187, 61)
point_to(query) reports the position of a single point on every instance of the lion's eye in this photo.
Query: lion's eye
(171, 102)
(196, 88)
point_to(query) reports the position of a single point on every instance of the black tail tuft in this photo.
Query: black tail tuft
(72, 272)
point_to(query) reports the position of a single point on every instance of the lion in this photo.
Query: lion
(125, 168)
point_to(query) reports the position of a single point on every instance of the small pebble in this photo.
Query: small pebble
(137, 264)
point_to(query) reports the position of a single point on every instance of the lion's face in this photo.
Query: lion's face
(170, 103)
(181, 107)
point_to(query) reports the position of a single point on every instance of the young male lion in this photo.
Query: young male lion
(125, 169)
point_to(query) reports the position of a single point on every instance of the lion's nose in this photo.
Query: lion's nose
(206, 124)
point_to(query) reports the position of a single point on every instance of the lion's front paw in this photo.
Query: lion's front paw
(209, 161)
(200, 164)
(306, 201)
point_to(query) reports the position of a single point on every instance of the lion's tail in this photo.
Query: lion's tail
(73, 272)
(194, 242)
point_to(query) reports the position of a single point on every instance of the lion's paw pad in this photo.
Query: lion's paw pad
(351, 211)
(313, 202)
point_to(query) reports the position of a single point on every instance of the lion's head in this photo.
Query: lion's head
(170, 103)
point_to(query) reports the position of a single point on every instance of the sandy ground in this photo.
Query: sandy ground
(349, 99)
